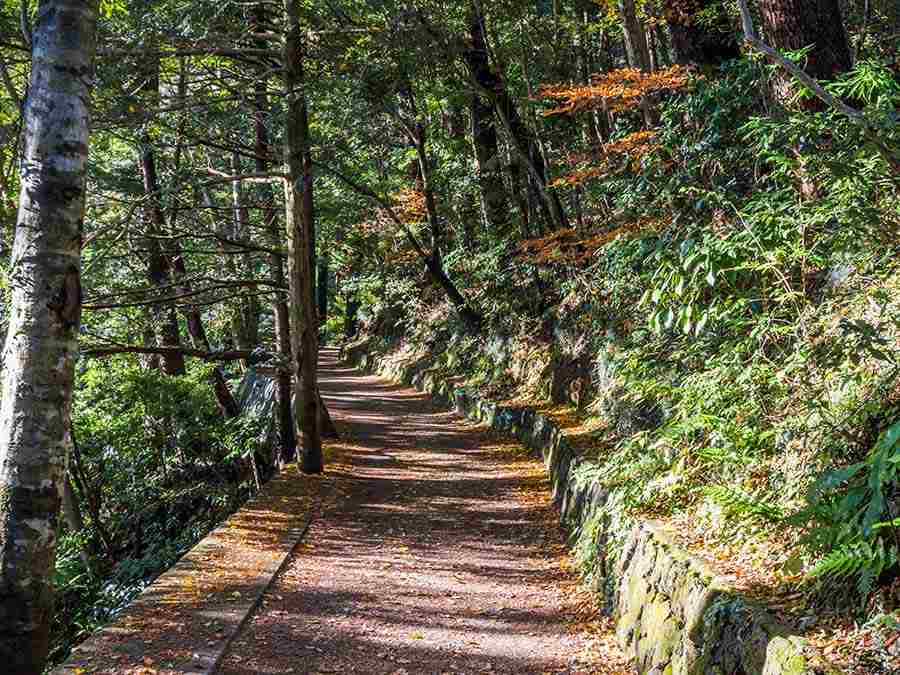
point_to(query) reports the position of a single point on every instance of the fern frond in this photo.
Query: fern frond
(862, 559)
(744, 504)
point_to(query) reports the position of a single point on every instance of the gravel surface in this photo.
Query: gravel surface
(436, 551)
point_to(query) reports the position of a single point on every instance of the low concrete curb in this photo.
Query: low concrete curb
(673, 614)
(187, 618)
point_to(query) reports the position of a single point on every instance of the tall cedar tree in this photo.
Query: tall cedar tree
(299, 223)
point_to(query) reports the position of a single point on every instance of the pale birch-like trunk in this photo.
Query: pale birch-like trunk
(41, 345)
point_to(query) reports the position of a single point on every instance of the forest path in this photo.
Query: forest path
(436, 552)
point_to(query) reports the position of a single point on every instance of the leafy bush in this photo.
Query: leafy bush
(163, 467)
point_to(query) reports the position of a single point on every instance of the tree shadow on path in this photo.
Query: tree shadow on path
(437, 552)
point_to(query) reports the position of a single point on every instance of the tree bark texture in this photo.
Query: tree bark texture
(636, 47)
(702, 42)
(791, 25)
(638, 52)
(299, 225)
(158, 268)
(521, 138)
(45, 315)
(488, 162)
(322, 287)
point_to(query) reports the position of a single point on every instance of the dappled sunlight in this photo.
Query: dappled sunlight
(437, 550)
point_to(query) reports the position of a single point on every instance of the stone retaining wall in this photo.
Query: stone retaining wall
(673, 614)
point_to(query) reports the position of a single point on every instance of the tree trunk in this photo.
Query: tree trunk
(636, 47)
(440, 276)
(71, 510)
(637, 51)
(701, 32)
(159, 269)
(519, 193)
(174, 270)
(287, 440)
(351, 308)
(420, 169)
(794, 24)
(299, 224)
(199, 339)
(165, 318)
(248, 308)
(89, 495)
(45, 316)
(521, 139)
(151, 361)
(327, 424)
(488, 163)
(434, 223)
(322, 287)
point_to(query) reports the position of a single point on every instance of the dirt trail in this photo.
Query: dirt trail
(435, 553)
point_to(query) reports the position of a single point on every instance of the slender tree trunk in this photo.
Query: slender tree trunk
(420, 169)
(795, 24)
(174, 270)
(322, 287)
(299, 224)
(637, 51)
(248, 308)
(45, 315)
(287, 439)
(165, 318)
(635, 38)
(701, 32)
(159, 268)
(664, 49)
(434, 224)
(199, 340)
(89, 495)
(71, 509)
(488, 163)
(150, 361)
(519, 194)
(520, 137)
(351, 308)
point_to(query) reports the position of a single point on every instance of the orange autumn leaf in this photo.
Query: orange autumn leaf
(617, 90)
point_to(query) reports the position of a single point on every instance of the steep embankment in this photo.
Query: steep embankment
(673, 613)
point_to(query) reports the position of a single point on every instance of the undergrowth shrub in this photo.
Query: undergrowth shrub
(161, 467)
(738, 315)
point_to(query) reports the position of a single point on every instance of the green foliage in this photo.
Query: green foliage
(163, 465)
(746, 505)
(850, 517)
(747, 340)
(864, 561)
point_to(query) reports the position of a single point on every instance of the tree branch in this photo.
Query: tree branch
(91, 351)
(859, 118)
